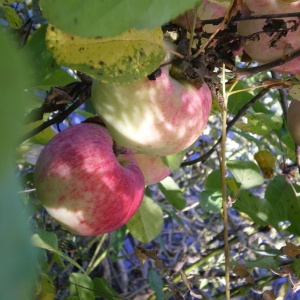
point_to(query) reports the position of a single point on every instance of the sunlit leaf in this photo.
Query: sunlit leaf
(172, 192)
(147, 222)
(106, 18)
(121, 59)
(260, 123)
(245, 173)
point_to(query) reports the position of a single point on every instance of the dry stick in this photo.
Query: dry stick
(224, 196)
(230, 124)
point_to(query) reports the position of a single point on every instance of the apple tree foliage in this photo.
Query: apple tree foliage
(50, 50)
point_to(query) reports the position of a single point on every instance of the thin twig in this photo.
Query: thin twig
(265, 67)
(230, 124)
(57, 119)
(224, 187)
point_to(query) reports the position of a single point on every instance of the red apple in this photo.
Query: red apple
(84, 185)
(154, 117)
(260, 50)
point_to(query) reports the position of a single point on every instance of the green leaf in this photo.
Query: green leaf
(211, 200)
(257, 209)
(103, 289)
(48, 241)
(13, 19)
(173, 161)
(260, 123)
(172, 192)
(147, 222)
(106, 18)
(45, 287)
(116, 241)
(156, 284)
(121, 59)
(213, 180)
(81, 286)
(246, 173)
(17, 256)
(264, 263)
(283, 197)
(48, 72)
(10, 1)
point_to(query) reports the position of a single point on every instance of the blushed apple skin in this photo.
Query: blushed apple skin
(260, 51)
(83, 185)
(293, 120)
(152, 167)
(154, 117)
(208, 11)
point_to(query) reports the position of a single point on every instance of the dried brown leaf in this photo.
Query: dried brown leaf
(290, 250)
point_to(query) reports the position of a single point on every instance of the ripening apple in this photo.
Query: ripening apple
(260, 50)
(157, 168)
(83, 184)
(154, 117)
(293, 120)
(209, 11)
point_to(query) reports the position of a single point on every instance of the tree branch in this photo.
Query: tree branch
(239, 72)
(230, 124)
(82, 97)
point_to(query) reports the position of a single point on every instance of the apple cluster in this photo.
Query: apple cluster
(91, 178)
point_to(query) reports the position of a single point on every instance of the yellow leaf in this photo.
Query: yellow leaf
(120, 59)
(266, 162)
